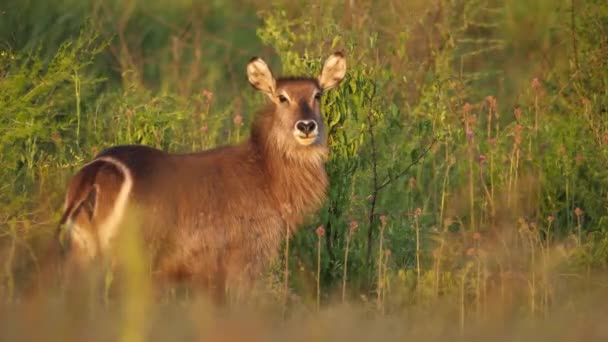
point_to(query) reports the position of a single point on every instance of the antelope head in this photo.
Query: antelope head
(297, 123)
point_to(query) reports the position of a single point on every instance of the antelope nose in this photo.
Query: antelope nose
(306, 126)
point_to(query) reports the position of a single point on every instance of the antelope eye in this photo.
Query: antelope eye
(318, 96)
(283, 99)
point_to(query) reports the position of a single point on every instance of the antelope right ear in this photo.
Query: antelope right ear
(333, 71)
(260, 76)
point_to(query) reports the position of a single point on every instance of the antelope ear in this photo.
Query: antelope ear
(333, 72)
(260, 76)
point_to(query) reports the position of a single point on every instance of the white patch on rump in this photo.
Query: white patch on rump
(109, 227)
(83, 240)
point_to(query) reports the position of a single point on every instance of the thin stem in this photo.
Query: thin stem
(385, 279)
(438, 258)
(546, 269)
(492, 183)
(345, 274)
(487, 192)
(374, 195)
(533, 268)
(380, 285)
(478, 284)
(319, 273)
(463, 297)
(388, 180)
(573, 32)
(471, 177)
(417, 251)
(286, 270)
(78, 111)
(445, 182)
(579, 229)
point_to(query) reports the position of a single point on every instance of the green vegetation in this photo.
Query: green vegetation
(468, 165)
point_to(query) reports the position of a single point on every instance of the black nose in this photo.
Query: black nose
(306, 126)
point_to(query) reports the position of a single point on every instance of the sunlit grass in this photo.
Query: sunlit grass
(468, 165)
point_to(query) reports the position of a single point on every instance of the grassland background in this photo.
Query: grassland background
(468, 163)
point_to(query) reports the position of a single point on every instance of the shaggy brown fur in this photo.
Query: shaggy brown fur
(215, 218)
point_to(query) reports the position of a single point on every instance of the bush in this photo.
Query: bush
(468, 141)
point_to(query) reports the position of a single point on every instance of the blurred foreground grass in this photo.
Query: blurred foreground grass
(468, 163)
(578, 314)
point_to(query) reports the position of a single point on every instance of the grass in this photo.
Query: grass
(575, 315)
(467, 164)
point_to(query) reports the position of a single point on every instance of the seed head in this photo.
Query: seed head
(472, 120)
(56, 138)
(448, 221)
(517, 113)
(238, 120)
(578, 212)
(352, 226)
(383, 220)
(536, 84)
(550, 218)
(436, 253)
(491, 102)
(208, 95)
(467, 108)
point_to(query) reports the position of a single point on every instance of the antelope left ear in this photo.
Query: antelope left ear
(260, 76)
(333, 72)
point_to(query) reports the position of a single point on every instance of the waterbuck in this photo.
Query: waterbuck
(216, 217)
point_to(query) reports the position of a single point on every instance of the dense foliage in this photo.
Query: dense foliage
(468, 141)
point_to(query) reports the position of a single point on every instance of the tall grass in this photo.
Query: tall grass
(467, 164)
